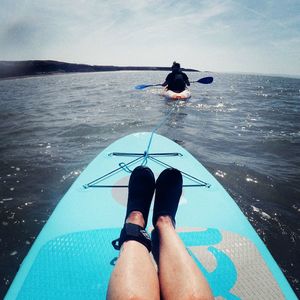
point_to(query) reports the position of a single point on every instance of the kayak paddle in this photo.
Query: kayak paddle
(143, 86)
(204, 80)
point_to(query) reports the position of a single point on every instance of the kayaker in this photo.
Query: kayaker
(135, 276)
(176, 81)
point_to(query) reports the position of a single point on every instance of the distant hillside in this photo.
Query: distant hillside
(44, 67)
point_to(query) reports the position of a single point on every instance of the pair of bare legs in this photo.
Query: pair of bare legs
(135, 276)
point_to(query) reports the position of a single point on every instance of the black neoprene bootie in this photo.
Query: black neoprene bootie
(140, 191)
(167, 195)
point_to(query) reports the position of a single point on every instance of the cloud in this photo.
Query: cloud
(201, 34)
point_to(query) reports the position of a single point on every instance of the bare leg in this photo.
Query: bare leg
(134, 276)
(179, 276)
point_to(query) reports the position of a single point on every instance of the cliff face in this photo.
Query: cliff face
(44, 67)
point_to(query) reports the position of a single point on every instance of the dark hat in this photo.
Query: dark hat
(175, 65)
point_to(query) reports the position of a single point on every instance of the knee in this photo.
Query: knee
(136, 296)
(199, 295)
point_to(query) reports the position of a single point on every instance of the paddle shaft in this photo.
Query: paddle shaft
(204, 80)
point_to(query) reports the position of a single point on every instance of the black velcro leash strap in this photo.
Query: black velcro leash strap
(132, 232)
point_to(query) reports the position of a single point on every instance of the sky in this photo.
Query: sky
(251, 36)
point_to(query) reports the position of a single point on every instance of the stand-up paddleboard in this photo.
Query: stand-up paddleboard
(73, 258)
(186, 94)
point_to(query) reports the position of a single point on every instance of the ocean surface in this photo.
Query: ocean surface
(244, 128)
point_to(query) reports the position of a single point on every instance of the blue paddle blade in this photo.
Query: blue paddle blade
(142, 86)
(206, 80)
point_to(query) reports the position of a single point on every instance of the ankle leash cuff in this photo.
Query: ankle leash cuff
(132, 232)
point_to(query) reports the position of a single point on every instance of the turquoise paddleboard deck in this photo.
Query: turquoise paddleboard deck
(73, 258)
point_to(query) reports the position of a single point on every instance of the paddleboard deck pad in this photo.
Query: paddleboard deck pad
(72, 258)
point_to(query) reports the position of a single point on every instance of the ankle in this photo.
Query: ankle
(164, 221)
(136, 217)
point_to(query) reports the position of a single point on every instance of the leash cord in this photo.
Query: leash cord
(146, 153)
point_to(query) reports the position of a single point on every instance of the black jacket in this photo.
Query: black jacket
(176, 81)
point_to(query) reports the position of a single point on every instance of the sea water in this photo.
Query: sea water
(245, 129)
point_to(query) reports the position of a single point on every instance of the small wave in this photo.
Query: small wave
(252, 180)
(220, 173)
(72, 174)
(263, 214)
(218, 107)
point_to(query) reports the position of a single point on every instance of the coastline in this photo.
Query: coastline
(30, 68)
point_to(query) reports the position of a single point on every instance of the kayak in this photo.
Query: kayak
(72, 258)
(186, 94)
